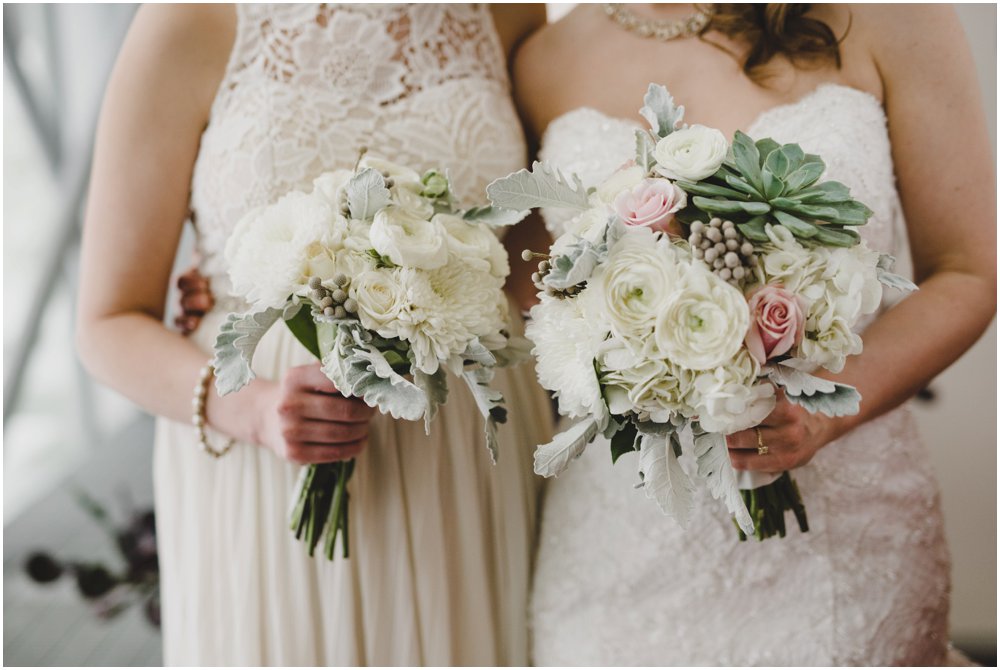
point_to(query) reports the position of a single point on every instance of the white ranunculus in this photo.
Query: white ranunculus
(408, 240)
(729, 400)
(704, 322)
(830, 346)
(381, 298)
(633, 286)
(273, 249)
(566, 344)
(412, 202)
(692, 153)
(400, 175)
(622, 180)
(475, 244)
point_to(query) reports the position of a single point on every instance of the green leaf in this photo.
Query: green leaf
(435, 388)
(837, 237)
(659, 109)
(746, 158)
(715, 469)
(785, 160)
(773, 186)
(663, 478)
(624, 441)
(304, 329)
(707, 189)
(765, 147)
(235, 346)
(495, 217)
(798, 227)
(741, 184)
(822, 212)
(716, 206)
(644, 146)
(358, 369)
(754, 229)
(490, 403)
(851, 213)
(542, 186)
(828, 192)
(366, 194)
(552, 458)
(806, 175)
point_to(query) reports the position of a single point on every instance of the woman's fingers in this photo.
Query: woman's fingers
(197, 302)
(306, 453)
(325, 432)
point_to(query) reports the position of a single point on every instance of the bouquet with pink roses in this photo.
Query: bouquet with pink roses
(693, 282)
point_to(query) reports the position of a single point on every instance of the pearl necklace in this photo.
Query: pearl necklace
(663, 30)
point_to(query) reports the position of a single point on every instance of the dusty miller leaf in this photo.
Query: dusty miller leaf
(542, 186)
(663, 477)
(552, 458)
(715, 469)
(815, 394)
(358, 369)
(366, 194)
(235, 346)
(890, 279)
(518, 350)
(495, 217)
(575, 266)
(663, 115)
(490, 403)
(476, 352)
(644, 145)
(435, 388)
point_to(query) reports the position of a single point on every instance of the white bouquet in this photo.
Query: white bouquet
(694, 281)
(379, 275)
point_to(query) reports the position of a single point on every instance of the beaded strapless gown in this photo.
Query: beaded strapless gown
(441, 540)
(618, 583)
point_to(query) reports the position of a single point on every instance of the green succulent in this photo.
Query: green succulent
(766, 182)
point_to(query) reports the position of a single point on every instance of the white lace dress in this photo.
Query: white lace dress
(441, 540)
(618, 583)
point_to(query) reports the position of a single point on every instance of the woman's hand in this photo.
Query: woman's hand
(792, 437)
(195, 300)
(305, 420)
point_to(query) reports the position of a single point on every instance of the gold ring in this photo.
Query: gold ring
(761, 447)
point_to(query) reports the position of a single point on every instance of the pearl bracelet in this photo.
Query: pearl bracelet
(198, 414)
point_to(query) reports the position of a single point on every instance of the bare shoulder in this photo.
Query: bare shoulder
(543, 66)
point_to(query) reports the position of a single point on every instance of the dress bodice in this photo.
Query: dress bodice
(845, 126)
(307, 86)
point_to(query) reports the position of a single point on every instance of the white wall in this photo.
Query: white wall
(960, 427)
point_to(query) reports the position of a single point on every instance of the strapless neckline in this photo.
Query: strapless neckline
(797, 104)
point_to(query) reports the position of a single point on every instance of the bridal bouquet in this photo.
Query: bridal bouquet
(379, 275)
(695, 280)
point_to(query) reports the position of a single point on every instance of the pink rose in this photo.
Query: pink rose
(651, 203)
(777, 323)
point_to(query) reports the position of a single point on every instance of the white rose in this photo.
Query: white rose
(692, 153)
(381, 298)
(408, 240)
(273, 250)
(475, 244)
(704, 322)
(632, 286)
(622, 180)
(729, 399)
(566, 343)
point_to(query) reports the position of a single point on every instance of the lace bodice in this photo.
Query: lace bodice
(307, 86)
(617, 583)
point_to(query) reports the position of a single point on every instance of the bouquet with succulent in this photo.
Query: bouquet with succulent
(693, 281)
(381, 276)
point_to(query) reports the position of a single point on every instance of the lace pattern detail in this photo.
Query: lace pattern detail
(617, 583)
(307, 86)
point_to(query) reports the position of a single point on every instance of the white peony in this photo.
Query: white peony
(692, 153)
(635, 282)
(566, 344)
(382, 298)
(704, 322)
(408, 240)
(729, 399)
(274, 250)
(475, 244)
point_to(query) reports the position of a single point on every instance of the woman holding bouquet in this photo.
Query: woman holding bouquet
(212, 111)
(887, 96)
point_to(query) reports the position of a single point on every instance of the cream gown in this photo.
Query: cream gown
(441, 540)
